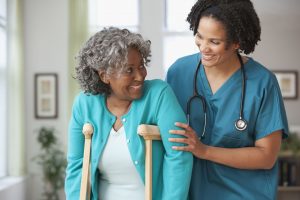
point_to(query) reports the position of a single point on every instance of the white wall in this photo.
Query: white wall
(279, 48)
(13, 188)
(46, 50)
(150, 27)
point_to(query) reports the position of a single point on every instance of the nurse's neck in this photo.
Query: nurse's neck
(217, 75)
(225, 68)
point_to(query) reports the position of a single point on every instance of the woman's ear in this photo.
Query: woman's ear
(103, 77)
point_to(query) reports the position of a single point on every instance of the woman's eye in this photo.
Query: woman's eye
(142, 66)
(129, 70)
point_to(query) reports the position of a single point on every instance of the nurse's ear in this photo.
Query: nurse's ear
(236, 46)
(104, 77)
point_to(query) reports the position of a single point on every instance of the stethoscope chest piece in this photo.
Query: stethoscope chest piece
(240, 124)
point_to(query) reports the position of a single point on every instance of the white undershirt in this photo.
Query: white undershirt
(119, 177)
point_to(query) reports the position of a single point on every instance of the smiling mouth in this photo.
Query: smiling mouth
(207, 57)
(136, 87)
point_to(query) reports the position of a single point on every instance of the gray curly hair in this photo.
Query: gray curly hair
(107, 51)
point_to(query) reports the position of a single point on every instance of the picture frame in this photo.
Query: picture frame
(46, 95)
(288, 83)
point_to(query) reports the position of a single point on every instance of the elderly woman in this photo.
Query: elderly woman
(115, 100)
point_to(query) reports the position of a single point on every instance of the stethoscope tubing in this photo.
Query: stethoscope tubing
(241, 123)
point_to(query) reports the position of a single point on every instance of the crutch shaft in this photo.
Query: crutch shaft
(85, 170)
(148, 170)
(87, 130)
(149, 133)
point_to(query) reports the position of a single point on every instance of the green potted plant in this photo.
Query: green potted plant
(53, 163)
(291, 144)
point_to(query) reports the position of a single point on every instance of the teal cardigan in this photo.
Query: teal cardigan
(158, 105)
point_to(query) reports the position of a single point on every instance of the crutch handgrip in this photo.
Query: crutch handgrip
(87, 130)
(149, 133)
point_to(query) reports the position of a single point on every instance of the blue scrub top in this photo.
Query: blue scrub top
(263, 110)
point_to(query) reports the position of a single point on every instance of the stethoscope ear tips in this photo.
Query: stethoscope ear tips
(240, 124)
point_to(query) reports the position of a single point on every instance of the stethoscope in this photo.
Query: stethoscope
(240, 124)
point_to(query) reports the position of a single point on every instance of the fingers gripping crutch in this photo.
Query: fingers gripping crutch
(149, 133)
(87, 130)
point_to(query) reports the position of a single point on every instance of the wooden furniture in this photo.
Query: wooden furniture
(289, 176)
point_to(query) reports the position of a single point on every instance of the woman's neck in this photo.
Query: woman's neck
(117, 107)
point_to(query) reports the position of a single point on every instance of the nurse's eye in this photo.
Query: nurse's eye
(198, 37)
(215, 42)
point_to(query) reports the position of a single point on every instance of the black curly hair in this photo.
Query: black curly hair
(239, 18)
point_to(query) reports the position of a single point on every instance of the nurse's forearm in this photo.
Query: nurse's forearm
(262, 156)
(242, 158)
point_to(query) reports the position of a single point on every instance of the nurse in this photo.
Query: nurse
(236, 113)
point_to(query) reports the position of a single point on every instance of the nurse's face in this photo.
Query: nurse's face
(211, 41)
(127, 84)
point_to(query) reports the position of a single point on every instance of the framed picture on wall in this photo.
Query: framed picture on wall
(288, 83)
(46, 95)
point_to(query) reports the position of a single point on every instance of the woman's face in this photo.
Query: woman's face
(128, 84)
(211, 41)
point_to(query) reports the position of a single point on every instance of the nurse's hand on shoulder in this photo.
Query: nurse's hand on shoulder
(191, 141)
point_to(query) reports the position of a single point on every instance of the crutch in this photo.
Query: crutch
(149, 133)
(85, 187)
